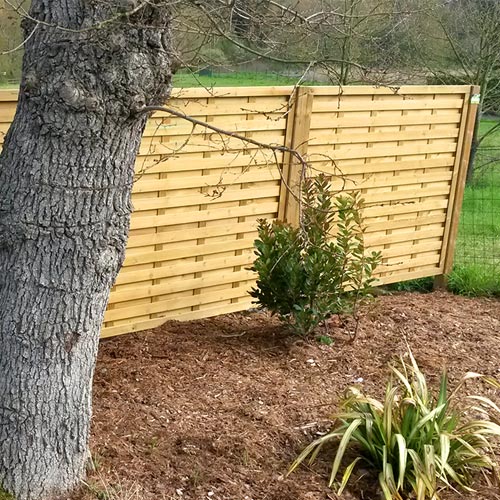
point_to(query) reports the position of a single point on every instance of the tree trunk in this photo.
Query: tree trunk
(66, 173)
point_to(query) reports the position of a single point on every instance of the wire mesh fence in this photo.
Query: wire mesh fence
(478, 244)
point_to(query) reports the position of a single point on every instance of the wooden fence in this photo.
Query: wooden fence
(199, 194)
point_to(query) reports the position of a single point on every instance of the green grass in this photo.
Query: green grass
(8, 86)
(474, 280)
(477, 256)
(232, 80)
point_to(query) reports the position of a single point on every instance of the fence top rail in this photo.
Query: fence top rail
(392, 90)
(206, 93)
(197, 92)
(9, 94)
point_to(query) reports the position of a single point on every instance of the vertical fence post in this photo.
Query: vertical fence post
(298, 129)
(285, 171)
(457, 194)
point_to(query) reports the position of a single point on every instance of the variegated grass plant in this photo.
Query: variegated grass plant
(418, 444)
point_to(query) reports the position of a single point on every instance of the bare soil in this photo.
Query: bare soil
(219, 408)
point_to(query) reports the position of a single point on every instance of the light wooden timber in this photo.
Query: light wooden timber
(198, 194)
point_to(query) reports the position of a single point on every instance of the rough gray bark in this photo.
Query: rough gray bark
(66, 173)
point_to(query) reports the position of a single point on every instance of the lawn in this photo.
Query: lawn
(477, 260)
(232, 79)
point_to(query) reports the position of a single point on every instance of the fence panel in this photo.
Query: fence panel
(402, 149)
(198, 194)
(196, 202)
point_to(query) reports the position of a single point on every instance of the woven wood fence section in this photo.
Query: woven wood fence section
(199, 194)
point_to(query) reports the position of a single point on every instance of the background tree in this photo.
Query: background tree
(334, 41)
(464, 48)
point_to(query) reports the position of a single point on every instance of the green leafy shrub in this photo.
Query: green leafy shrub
(418, 444)
(308, 273)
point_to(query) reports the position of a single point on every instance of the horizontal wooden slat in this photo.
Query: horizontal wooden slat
(226, 92)
(205, 198)
(378, 181)
(229, 106)
(327, 138)
(181, 285)
(191, 251)
(182, 127)
(132, 326)
(404, 164)
(220, 160)
(404, 194)
(180, 235)
(402, 223)
(320, 121)
(9, 95)
(265, 91)
(410, 275)
(374, 239)
(176, 303)
(7, 115)
(396, 208)
(264, 174)
(180, 269)
(204, 215)
(404, 264)
(395, 103)
(384, 151)
(214, 144)
(409, 248)
(243, 304)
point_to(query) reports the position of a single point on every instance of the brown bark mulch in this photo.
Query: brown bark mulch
(218, 408)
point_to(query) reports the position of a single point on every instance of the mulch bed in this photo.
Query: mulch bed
(218, 408)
